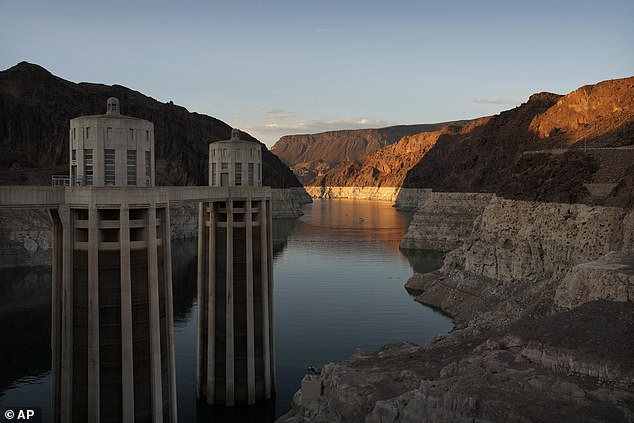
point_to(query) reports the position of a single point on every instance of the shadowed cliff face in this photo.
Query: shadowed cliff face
(36, 106)
(477, 160)
(623, 192)
(389, 166)
(496, 158)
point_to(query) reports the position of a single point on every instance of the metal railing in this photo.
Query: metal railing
(64, 180)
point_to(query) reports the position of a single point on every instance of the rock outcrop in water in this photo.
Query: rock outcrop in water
(287, 203)
(542, 300)
(524, 240)
(444, 220)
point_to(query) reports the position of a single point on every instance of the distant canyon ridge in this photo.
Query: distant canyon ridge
(312, 155)
(569, 148)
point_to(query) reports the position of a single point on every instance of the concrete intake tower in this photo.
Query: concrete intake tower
(112, 336)
(112, 342)
(235, 349)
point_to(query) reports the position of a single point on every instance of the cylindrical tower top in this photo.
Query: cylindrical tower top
(235, 162)
(111, 149)
(113, 106)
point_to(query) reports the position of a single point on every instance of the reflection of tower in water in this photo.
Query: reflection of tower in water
(235, 351)
(112, 346)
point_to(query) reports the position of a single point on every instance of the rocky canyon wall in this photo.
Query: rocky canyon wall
(25, 238)
(542, 297)
(516, 241)
(404, 198)
(444, 220)
(526, 252)
(288, 202)
(312, 155)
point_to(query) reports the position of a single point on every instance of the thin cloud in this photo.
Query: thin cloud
(277, 114)
(321, 125)
(503, 101)
(272, 131)
(330, 30)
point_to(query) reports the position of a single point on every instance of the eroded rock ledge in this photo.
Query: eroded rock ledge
(444, 220)
(541, 294)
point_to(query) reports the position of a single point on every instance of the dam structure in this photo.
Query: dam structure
(235, 360)
(112, 336)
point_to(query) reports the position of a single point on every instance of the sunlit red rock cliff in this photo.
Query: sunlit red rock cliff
(577, 147)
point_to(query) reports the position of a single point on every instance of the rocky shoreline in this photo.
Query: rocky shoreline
(541, 295)
(402, 198)
(444, 220)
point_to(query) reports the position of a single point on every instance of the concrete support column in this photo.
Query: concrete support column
(169, 311)
(229, 369)
(127, 357)
(220, 372)
(66, 342)
(201, 295)
(269, 250)
(155, 323)
(210, 283)
(250, 324)
(93, 314)
(56, 309)
(266, 333)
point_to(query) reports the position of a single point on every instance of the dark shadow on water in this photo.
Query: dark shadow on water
(288, 381)
(436, 309)
(282, 229)
(262, 412)
(25, 316)
(184, 273)
(424, 261)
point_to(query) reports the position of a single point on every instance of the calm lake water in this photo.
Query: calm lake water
(339, 279)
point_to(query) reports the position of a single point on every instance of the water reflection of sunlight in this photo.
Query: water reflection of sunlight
(351, 221)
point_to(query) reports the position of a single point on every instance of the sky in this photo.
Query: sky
(280, 67)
